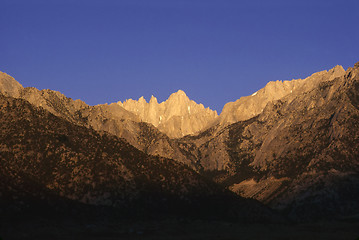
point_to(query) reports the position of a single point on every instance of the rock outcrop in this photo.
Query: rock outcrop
(299, 154)
(250, 106)
(115, 119)
(176, 117)
(9, 86)
(50, 167)
(53, 101)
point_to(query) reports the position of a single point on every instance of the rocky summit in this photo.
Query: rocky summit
(250, 106)
(177, 116)
(288, 152)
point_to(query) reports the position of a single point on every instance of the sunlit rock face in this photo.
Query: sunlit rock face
(177, 116)
(250, 106)
(9, 86)
(115, 119)
(300, 153)
(53, 101)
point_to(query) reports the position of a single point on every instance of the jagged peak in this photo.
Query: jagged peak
(337, 68)
(337, 71)
(9, 86)
(142, 100)
(180, 94)
(4, 76)
(153, 100)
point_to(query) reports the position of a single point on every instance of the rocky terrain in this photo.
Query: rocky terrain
(250, 106)
(115, 119)
(176, 117)
(292, 146)
(47, 160)
(300, 154)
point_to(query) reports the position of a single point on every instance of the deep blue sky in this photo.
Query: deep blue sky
(215, 50)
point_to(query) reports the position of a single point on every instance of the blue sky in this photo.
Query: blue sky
(214, 50)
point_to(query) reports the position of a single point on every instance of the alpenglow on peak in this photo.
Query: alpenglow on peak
(173, 116)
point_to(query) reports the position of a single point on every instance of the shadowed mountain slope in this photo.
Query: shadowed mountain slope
(46, 159)
(300, 154)
(111, 118)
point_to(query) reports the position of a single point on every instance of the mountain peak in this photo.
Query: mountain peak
(338, 67)
(142, 100)
(9, 86)
(250, 106)
(178, 94)
(174, 116)
(337, 71)
(153, 100)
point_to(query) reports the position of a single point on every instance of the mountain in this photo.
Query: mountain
(111, 118)
(176, 117)
(9, 87)
(291, 145)
(47, 163)
(300, 152)
(250, 106)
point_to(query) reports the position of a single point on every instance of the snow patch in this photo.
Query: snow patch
(254, 94)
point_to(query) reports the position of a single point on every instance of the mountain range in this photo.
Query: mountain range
(288, 151)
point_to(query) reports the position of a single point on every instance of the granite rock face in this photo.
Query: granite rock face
(176, 117)
(53, 101)
(299, 154)
(9, 86)
(116, 120)
(250, 106)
